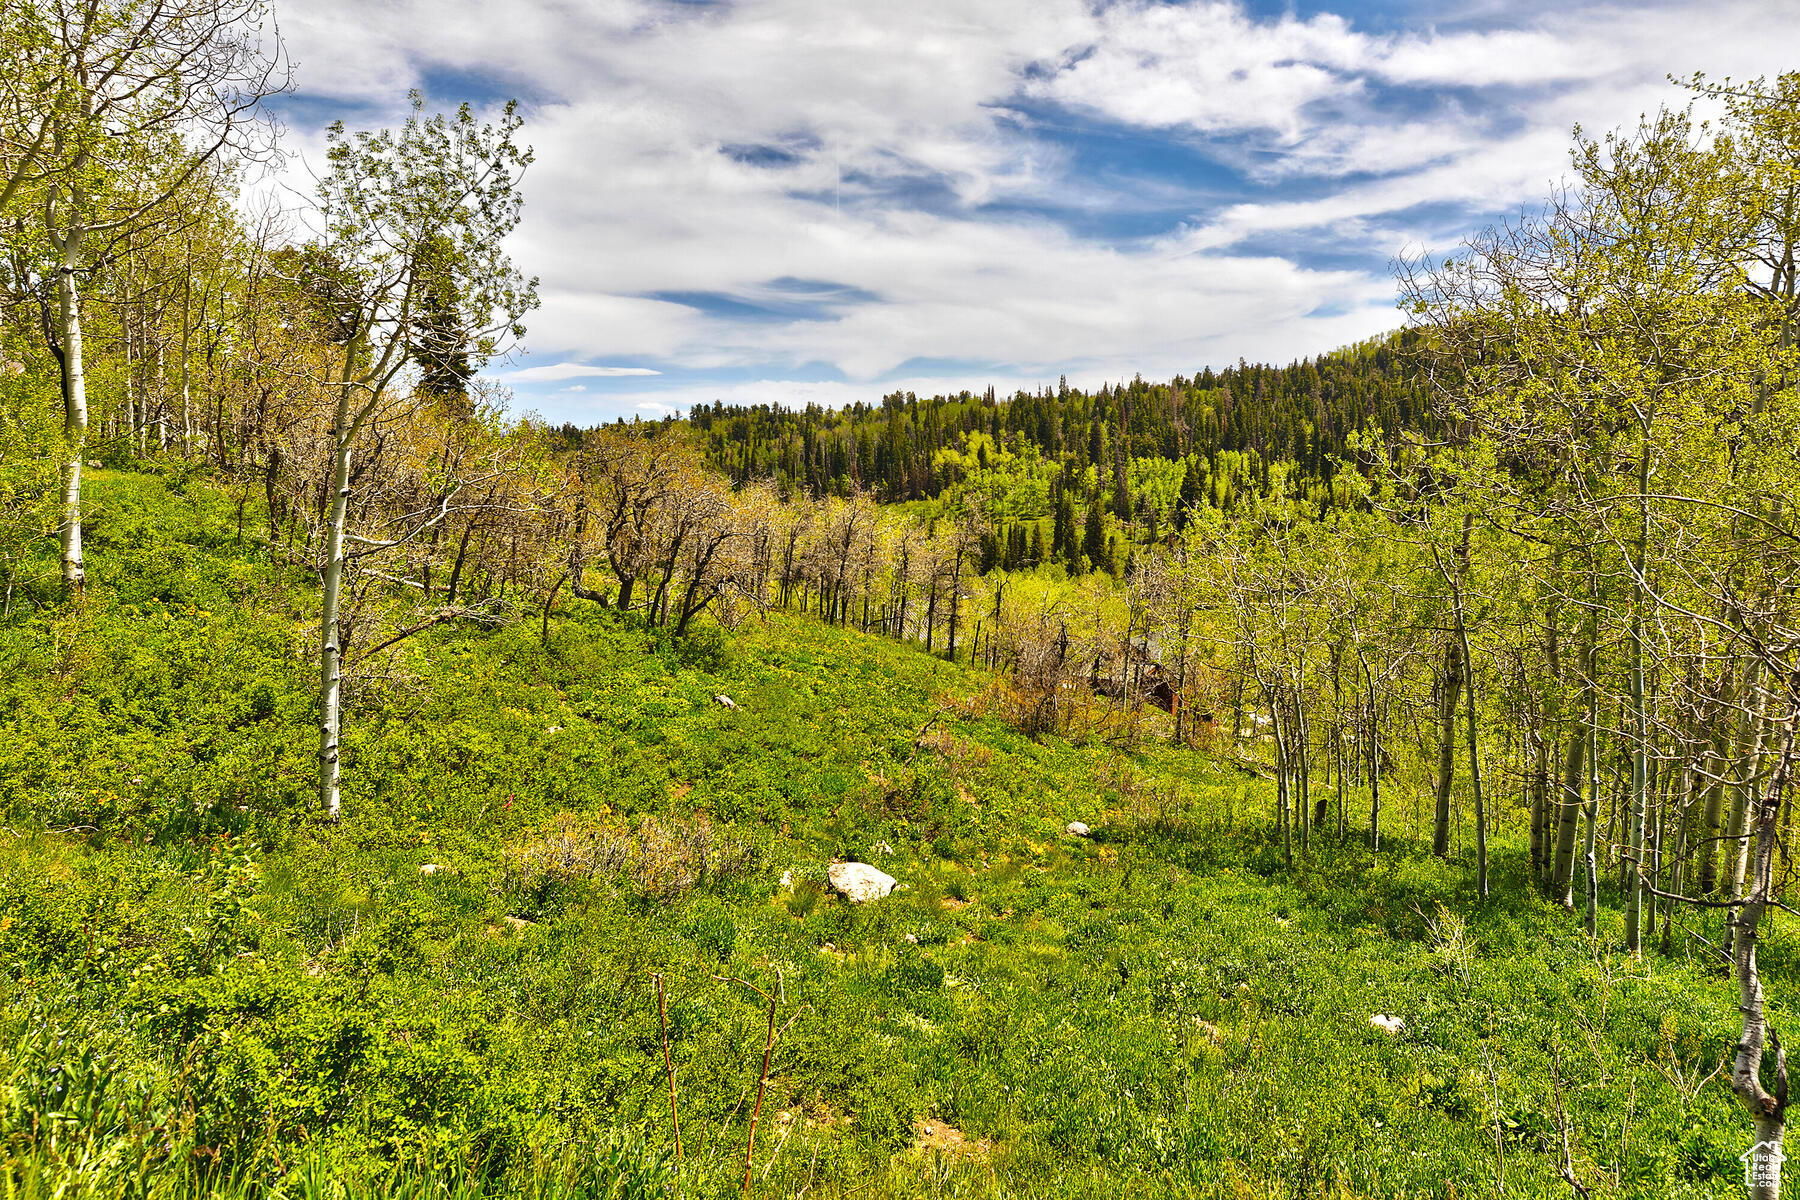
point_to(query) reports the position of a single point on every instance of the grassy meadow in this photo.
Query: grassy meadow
(206, 991)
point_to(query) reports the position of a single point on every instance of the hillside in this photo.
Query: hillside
(1232, 425)
(207, 991)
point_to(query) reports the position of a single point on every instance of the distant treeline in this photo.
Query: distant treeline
(1235, 424)
(1303, 413)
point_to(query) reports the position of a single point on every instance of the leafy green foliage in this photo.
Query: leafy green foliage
(207, 993)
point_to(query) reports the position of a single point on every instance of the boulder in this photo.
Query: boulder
(859, 882)
(1078, 829)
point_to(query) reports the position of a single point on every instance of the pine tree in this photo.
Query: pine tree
(1093, 538)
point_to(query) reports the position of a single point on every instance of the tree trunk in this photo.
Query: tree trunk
(1283, 786)
(1590, 816)
(1640, 717)
(330, 651)
(1711, 809)
(1568, 804)
(955, 599)
(1767, 1107)
(1481, 847)
(1640, 797)
(1449, 692)
(1540, 806)
(1374, 766)
(75, 412)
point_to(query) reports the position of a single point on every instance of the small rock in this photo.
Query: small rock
(912, 939)
(1387, 1024)
(726, 701)
(1078, 829)
(429, 869)
(554, 729)
(859, 882)
(787, 880)
(937, 1137)
(883, 848)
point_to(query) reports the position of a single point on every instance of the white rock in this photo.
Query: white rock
(727, 701)
(882, 848)
(1077, 829)
(787, 880)
(859, 882)
(429, 869)
(1386, 1023)
(912, 939)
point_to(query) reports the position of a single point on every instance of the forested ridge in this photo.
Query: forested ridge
(1369, 776)
(1228, 425)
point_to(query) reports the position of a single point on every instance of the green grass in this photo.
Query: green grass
(202, 991)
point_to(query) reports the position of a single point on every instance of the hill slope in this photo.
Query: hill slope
(202, 980)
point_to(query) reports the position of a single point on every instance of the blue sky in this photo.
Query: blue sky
(826, 200)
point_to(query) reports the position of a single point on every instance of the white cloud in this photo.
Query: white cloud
(1207, 66)
(557, 372)
(695, 162)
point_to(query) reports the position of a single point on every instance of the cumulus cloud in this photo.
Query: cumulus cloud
(792, 188)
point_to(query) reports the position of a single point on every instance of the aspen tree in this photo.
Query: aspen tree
(403, 214)
(119, 81)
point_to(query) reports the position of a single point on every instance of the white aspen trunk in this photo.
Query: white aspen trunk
(126, 422)
(1374, 765)
(187, 317)
(1640, 750)
(1640, 783)
(75, 411)
(1752, 742)
(1474, 739)
(1767, 1108)
(330, 652)
(1590, 815)
(162, 401)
